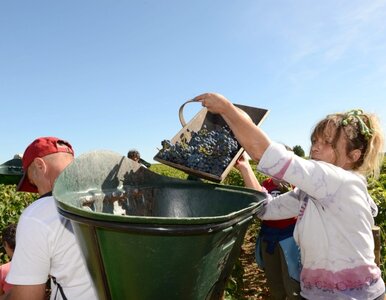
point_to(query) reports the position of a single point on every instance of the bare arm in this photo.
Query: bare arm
(247, 173)
(26, 292)
(252, 138)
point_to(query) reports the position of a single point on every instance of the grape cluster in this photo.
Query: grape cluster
(208, 151)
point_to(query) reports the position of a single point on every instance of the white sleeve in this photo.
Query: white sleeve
(317, 179)
(31, 259)
(284, 206)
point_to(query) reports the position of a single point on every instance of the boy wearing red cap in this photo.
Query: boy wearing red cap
(46, 245)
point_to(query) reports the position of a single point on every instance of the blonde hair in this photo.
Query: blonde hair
(363, 132)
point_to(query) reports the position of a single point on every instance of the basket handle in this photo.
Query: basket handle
(181, 112)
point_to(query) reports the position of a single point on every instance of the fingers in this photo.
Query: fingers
(211, 101)
(201, 98)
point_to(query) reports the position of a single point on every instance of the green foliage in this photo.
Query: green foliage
(377, 190)
(167, 171)
(234, 177)
(298, 150)
(383, 168)
(12, 204)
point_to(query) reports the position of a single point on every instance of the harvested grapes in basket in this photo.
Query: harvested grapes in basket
(208, 151)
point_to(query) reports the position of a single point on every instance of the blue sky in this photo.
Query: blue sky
(113, 74)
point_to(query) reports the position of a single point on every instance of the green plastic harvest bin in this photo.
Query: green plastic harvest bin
(147, 236)
(11, 171)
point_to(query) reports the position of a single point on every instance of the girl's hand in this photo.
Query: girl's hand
(215, 103)
(250, 180)
(242, 163)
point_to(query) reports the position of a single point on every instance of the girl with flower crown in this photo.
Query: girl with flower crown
(335, 213)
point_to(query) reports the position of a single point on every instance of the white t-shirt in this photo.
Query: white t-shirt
(46, 245)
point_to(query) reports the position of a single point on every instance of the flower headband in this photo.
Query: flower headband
(356, 116)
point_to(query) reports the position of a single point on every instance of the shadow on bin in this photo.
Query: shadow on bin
(148, 236)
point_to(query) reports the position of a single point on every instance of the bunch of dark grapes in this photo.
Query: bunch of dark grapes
(208, 151)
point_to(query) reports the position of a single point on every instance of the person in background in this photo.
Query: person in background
(136, 156)
(46, 244)
(8, 241)
(276, 251)
(335, 213)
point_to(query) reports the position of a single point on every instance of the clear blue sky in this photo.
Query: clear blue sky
(113, 74)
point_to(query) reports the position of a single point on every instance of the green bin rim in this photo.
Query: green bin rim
(252, 208)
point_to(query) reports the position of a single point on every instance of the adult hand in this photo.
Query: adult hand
(215, 103)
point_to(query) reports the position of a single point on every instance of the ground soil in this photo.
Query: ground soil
(254, 282)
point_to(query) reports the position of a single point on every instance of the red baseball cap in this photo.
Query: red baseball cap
(40, 148)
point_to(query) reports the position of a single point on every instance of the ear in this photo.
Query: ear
(355, 155)
(40, 164)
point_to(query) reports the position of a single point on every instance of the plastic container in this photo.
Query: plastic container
(212, 122)
(11, 171)
(145, 236)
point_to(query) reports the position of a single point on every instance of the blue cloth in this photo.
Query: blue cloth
(292, 257)
(283, 238)
(272, 235)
